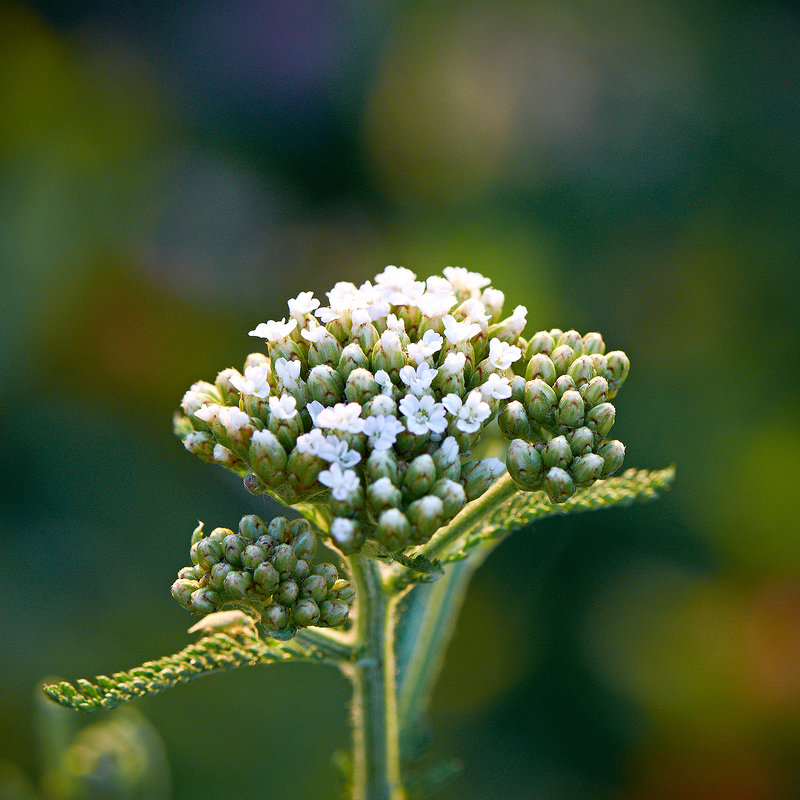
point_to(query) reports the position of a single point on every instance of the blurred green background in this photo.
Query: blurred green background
(171, 173)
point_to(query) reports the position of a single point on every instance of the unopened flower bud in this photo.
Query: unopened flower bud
(393, 530)
(541, 366)
(227, 391)
(593, 343)
(524, 465)
(419, 476)
(601, 418)
(447, 459)
(513, 421)
(595, 392)
(303, 469)
(283, 558)
(570, 410)
(183, 591)
(452, 495)
(201, 444)
(252, 556)
(304, 544)
(383, 494)
(426, 515)
(600, 364)
(252, 527)
(618, 367)
(190, 573)
(563, 384)
(365, 333)
(581, 370)
(275, 617)
(238, 584)
(280, 530)
(518, 387)
(349, 503)
(234, 546)
(315, 587)
(572, 339)
(333, 612)
(613, 454)
(209, 552)
(352, 357)
(541, 342)
(266, 578)
(347, 535)
(478, 476)
(325, 385)
(557, 453)
(381, 406)
(540, 401)
(586, 469)
(382, 464)
(219, 534)
(204, 601)
(218, 574)
(301, 570)
(267, 457)
(343, 590)
(581, 441)
(287, 593)
(562, 357)
(305, 613)
(388, 354)
(559, 485)
(327, 571)
(323, 347)
(361, 386)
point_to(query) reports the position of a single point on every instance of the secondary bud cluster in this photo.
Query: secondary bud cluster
(268, 569)
(560, 416)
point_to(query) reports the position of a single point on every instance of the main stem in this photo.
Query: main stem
(376, 751)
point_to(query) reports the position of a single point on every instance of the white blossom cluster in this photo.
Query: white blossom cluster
(394, 379)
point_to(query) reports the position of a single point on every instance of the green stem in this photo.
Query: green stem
(376, 750)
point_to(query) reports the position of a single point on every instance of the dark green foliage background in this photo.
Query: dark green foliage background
(171, 173)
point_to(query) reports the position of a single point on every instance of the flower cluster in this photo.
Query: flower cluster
(371, 405)
(559, 417)
(267, 570)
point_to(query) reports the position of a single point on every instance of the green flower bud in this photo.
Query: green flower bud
(305, 613)
(218, 575)
(570, 410)
(252, 527)
(382, 464)
(419, 476)
(204, 601)
(559, 485)
(327, 571)
(581, 441)
(541, 366)
(383, 494)
(183, 591)
(347, 535)
(238, 584)
(562, 357)
(447, 459)
(342, 590)
(452, 495)
(200, 444)
(600, 364)
(315, 587)
(266, 578)
(557, 453)
(541, 342)
(572, 339)
(593, 343)
(581, 370)
(563, 384)
(540, 401)
(367, 336)
(267, 457)
(408, 444)
(388, 354)
(209, 552)
(601, 418)
(524, 465)
(350, 504)
(618, 367)
(361, 386)
(595, 392)
(253, 555)
(426, 515)
(190, 573)
(286, 430)
(613, 454)
(301, 570)
(304, 544)
(219, 534)
(234, 546)
(381, 406)
(283, 558)
(478, 476)
(325, 385)
(303, 470)
(227, 391)
(586, 469)
(287, 593)
(323, 349)
(280, 530)
(333, 612)
(275, 617)
(518, 387)
(393, 530)
(352, 358)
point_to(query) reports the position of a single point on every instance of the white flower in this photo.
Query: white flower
(390, 343)
(254, 382)
(493, 299)
(382, 431)
(337, 452)
(288, 372)
(208, 411)
(385, 382)
(396, 324)
(495, 465)
(458, 332)
(496, 386)
(454, 362)
(310, 443)
(316, 334)
(424, 349)
(313, 408)
(304, 303)
(234, 419)
(341, 417)
(502, 355)
(274, 331)
(464, 280)
(419, 380)
(341, 482)
(283, 407)
(449, 448)
(468, 415)
(327, 315)
(399, 286)
(475, 311)
(516, 322)
(222, 454)
(423, 414)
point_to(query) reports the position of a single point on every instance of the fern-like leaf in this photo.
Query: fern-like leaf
(217, 652)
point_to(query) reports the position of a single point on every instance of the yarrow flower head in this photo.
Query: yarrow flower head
(372, 404)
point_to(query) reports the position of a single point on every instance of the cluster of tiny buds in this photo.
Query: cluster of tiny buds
(373, 404)
(559, 415)
(266, 570)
